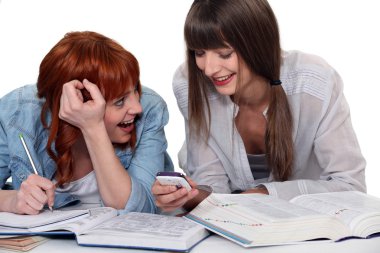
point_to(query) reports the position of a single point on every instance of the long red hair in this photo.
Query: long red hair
(80, 55)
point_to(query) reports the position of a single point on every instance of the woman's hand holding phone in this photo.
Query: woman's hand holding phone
(172, 190)
(173, 178)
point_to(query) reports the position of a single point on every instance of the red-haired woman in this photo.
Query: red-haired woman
(94, 133)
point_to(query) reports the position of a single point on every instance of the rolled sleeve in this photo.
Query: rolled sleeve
(137, 200)
(150, 155)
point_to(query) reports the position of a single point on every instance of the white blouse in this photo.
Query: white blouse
(327, 153)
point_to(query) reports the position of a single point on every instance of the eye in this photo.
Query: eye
(226, 55)
(199, 53)
(120, 102)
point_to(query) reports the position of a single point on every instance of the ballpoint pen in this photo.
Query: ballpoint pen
(30, 159)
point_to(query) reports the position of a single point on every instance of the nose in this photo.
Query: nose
(134, 107)
(211, 64)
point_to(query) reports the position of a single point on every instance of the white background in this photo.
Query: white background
(345, 33)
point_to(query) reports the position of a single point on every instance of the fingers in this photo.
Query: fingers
(93, 90)
(34, 193)
(22, 207)
(50, 193)
(82, 110)
(71, 91)
(175, 200)
(158, 189)
(71, 99)
(191, 182)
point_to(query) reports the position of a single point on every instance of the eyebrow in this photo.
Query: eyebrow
(124, 95)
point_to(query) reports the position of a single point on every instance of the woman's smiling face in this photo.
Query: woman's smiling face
(120, 116)
(223, 68)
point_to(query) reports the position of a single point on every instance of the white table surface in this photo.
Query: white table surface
(218, 244)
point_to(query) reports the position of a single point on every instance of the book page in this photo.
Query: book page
(257, 219)
(147, 225)
(348, 206)
(264, 207)
(43, 218)
(146, 231)
(95, 217)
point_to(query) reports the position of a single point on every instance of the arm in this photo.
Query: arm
(5, 172)
(34, 192)
(112, 178)
(119, 186)
(203, 165)
(149, 156)
(335, 148)
(197, 160)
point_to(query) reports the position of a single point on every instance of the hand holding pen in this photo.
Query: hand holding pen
(35, 191)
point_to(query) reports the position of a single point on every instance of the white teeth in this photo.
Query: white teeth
(127, 122)
(223, 78)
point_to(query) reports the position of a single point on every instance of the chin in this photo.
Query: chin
(225, 91)
(121, 140)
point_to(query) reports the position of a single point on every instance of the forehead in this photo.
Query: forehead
(128, 90)
(204, 36)
(117, 89)
(216, 50)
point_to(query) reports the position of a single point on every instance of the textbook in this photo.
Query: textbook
(21, 243)
(262, 220)
(36, 223)
(103, 227)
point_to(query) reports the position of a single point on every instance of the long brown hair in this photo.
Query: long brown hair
(250, 28)
(81, 55)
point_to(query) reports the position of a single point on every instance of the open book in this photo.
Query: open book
(259, 220)
(104, 227)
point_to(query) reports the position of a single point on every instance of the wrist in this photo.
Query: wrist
(203, 192)
(94, 131)
(262, 189)
(258, 189)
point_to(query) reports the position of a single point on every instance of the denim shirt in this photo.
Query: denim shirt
(20, 114)
(327, 156)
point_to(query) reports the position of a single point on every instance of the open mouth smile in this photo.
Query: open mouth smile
(220, 81)
(125, 124)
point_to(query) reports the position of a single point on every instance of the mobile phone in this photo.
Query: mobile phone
(173, 178)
